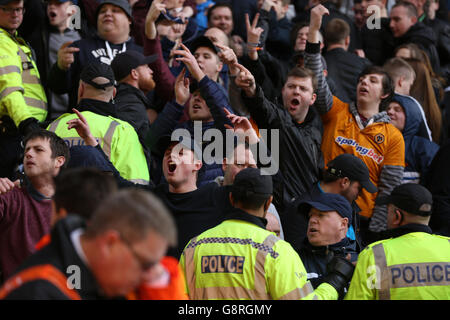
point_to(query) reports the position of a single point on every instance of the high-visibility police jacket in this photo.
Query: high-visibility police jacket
(413, 266)
(21, 93)
(117, 138)
(239, 259)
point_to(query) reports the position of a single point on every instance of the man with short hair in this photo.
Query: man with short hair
(413, 263)
(360, 128)
(403, 76)
(406, 28)
(135, 79)
(127, 235)
(23, 103)
(343, 66)
(330, 216)
(117, 138)
(300, 129)
(113, 25)
(238, 259)
(25, 213)
(401, 73)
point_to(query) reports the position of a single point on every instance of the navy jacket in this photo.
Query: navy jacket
(419, 150)
(315, 259)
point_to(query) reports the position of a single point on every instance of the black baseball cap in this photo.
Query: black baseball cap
(410, 197)
(203, 41)
(251, 180)
(126, 61)
(330, 202)
(352, 167)
(95, 70)
(123, 4)
(164, 142)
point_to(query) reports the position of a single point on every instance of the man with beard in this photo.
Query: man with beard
(135, 79)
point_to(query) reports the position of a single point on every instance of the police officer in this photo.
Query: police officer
(413, 263)
(117, 138)
(22, 98)
(239, 259)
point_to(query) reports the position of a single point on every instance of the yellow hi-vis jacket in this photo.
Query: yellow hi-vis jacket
(117, 138)
(21, 93)
(415, 266)
(238, 259)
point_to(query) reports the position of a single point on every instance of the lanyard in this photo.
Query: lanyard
(109, 51)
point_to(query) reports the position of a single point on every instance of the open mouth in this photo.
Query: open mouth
(52, 14)
(172, 167)
(196, 107)
(295, 102)
(363, 90)
(312, 230)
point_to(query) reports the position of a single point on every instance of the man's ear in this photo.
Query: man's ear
(219, 66)
(267, 204)
(230, 196)
(59, 161)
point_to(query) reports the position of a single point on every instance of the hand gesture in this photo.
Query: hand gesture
(253, 32)
(182, 93)
(190, 62)
(268, 5)
(241, 127)
(65, 56)
(152, 15)
(316, 17)
(80, 124)
(226, 55)
(246, 81)
(7, 185)
(155, 10)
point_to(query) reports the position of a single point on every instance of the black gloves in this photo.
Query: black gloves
(28, 125)
(340, 272)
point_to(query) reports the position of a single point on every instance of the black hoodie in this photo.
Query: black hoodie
(425, 38)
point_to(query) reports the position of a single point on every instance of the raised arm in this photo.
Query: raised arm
(313, 60)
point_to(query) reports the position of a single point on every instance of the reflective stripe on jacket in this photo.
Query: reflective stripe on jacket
(44, 272)
(117, 138)
(240, 260)
(21, 93)
(415, 266)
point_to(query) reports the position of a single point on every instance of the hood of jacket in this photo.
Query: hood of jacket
(420, 33)
(414, 122)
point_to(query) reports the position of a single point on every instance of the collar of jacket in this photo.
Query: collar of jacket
(62, 243)
(407, 228)
(99, 107)
(238, 214)
(129, 89)
(379, 117)
(337, 248)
